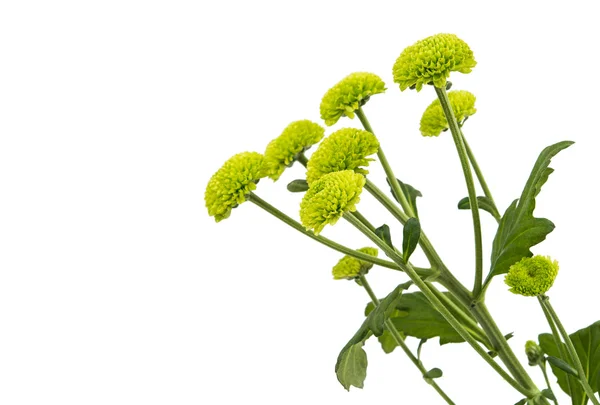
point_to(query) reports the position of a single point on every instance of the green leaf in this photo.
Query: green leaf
(433, 373)
(387, 341)
(518, 230)
(548, 394)
(384, 234)
(377, 317)
(410, 193)
(563, 365)
(522, 402)
(297, 186)
(483, 203)
(587, 346)
(352, 367)
(412, 233)
(423, 321)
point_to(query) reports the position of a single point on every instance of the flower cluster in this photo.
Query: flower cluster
(433, 121)
(430, 61)
(532, 276)
(349, 95)
(296, 138)
(350, 267)
(228, 187)
(329, 198)
(345, 149)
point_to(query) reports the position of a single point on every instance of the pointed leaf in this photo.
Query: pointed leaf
(377, 317)
(352, 368)
(384, 234)
(519, 230)
(548, 394)
(483, 203)
(410, 193)
(433, 373)
(412, 233)
(563, 365)
(297, 186)
(423, 321)
(522, 402)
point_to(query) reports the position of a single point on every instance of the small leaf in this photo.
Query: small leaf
(412, 233)
(519, 230)
(548, 394)
(410, 193)
(352, 368)
(483, 203)
(376, 319)
(384, 234)
(563, 365)
(433, 373)
(297, 186)
(387, 341)
(509, 335)
(522, 402)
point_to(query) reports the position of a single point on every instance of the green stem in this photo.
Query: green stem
(386, 167)
(364, 220)
(479, 174)
(327, 242)
(462, 154)
(301, 157)
(556, 336)
(543, 367)
(435, 302)
(571, 349)
(400, 342)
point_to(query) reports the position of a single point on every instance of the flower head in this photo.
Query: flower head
(329, 198)
(433, 121)
(296, 138)
(227, 188)
(431, 60)
(534, 353)
(345, 149)
(532, 276)
(350, 267)
(349, 95)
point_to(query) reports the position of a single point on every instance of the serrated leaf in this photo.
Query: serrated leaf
(587, 346)
(518, 230)
(483, 203)
(422, 320)
(411, 235)
(433, 373)
(352, 367)
(297, 186)
(410, 193)
(383, 232)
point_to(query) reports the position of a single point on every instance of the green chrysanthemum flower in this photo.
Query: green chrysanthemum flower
(329, 198)
(350, 267)
(349, 95)
(228, 187)
(296, 138)
(433, 121)
(532, 276)
(431, 60)
(534, 353)
(345, 149)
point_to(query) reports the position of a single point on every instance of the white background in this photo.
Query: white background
(117, 288)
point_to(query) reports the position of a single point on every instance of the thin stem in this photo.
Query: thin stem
(479, 174)
(386, 167)
(556, 336)
(364, 220)
(543, 367)
(571, 349)
(462, 154)
(321, 239)
(301, 157)
(435, 302)
(400, 342)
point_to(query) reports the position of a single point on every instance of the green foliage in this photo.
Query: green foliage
(421, 320)
(352, 366)
(483, 203)
(587, 346)
(385, 235)
(410, 193)
(433, 373)
(297, 186)
(412, 233)
(519, 230)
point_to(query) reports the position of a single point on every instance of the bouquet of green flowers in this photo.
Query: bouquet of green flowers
(432, 302)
